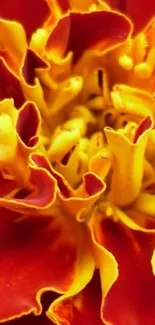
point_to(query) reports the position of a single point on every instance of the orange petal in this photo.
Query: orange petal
(6, 185)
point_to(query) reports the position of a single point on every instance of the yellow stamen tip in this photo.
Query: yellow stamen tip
(126, 62)
(143, 70)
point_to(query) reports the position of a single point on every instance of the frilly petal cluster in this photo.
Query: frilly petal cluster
(77, 163)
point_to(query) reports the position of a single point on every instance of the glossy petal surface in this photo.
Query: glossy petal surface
(83, 308)
(31, 248)
(79, 33)
(133, 291)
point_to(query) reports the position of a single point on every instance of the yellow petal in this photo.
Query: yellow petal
(132, 101)
(65, 141)
(101, 163)
(145, 204)
(11, 33)
(128, 164)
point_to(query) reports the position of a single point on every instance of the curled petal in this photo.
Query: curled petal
(143, 127)
(127, 177)
(76, 33)
(31, 319)
(10, 85)
(31, 66)
(105, 261)
(16, 147)
(32, 62)
(83, 308)
(33, 247)
(77, 161)
(145, 204)
(28, 123)
(101, 162)
(74, 201)
(40, 193)
(10, 48)
(130, 299)
(63, 143)
(64, 94)
(31, 14)
(64, 188)
(133, 101)
(137, 220)
(6, 185)
(90, 191)
(7, 107)
(10, 151)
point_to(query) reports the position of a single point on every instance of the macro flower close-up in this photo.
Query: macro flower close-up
(77, 162)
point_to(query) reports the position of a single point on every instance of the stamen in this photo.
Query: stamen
(126, 62)
(143, 70)
(140, 45)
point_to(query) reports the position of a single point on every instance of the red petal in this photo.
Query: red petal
(142, 127)
(10, 86)
(84, 308)
(64, 5)
(31, 320)
(71, 201)
(28, 123)
(115, 3)
(131, 298)
(76, 32)
(37, 320)
(92, 184)
(38, 254)
(42, 194)
(140, 11)
(31, 14)
(41, 161)
(32, 62)
(6, 185)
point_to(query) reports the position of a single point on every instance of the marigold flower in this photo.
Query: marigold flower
(77, 165)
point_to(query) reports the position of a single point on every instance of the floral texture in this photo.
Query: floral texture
(77, 163)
